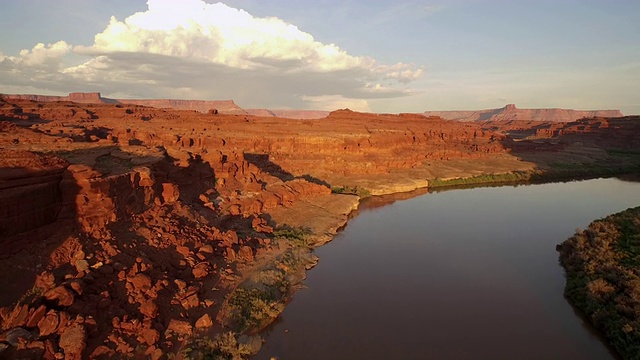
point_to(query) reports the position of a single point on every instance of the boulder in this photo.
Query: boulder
(180, 327)
(37, 315)
(149, 336)
(49, 324)
(201, 270)
(149, 309)
(73, 341)
(140, 282)
(60, 295)
(204, 322)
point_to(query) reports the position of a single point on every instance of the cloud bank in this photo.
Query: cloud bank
(192, 49)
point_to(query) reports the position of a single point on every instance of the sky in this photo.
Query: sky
(376, 55)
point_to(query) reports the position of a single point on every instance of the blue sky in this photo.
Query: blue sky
(382, 56)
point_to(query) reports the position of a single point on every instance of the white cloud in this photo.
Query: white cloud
(220, 34)
(41, 57)
(192, 49)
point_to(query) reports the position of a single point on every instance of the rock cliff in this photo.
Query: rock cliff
(510, 112)
(222, 106)
(203, 106)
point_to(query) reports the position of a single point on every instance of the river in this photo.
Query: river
(459, 274)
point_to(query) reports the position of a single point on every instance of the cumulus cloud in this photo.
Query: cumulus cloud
(44, 57)
(192, 49)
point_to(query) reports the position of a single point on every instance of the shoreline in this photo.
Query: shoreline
(306, 259)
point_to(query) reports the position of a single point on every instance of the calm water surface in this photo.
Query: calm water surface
(461, 274)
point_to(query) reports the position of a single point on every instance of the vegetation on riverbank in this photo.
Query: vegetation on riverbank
(260, 299)
(555, 172)
(517, 176)
(602, 264)
(351, 190)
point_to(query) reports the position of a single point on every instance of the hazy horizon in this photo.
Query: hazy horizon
(294, 109)
(380, 56)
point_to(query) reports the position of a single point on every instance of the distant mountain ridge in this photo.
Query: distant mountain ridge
(289, 113)
(511, 112)
(222, 106)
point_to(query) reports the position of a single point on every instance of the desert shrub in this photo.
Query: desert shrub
(515, 176)
(255, 307)
(224, 347)
(351, 190)
(298, 235)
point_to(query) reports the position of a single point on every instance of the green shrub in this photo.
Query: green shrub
(516, 176)
(298, 235)
(351, 190)
(253, 308)
(224, 347)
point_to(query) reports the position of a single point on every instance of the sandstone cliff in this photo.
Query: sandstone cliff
(510, 112)
(203, 106)
(79, 97)
(223, 106)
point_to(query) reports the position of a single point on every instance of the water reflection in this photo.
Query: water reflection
(463, 274)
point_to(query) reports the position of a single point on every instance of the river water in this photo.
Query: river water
(460, 274)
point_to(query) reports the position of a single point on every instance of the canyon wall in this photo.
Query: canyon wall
(507, 113)
(510, 112)
(123, 228)
(222, 106)
(203, 106)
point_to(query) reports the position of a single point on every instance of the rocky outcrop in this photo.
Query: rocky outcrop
(81, 97)
(510, 112)
(203, 106)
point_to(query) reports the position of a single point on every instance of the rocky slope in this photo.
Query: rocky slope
(510, 112)
(131, 230)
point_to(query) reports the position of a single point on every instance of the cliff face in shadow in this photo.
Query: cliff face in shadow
(598, 146)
